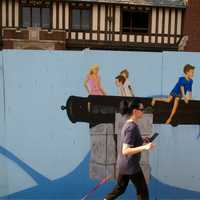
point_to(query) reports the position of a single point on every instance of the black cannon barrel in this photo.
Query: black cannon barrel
(102, 109)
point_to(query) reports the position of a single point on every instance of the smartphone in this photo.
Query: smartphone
(153, 137)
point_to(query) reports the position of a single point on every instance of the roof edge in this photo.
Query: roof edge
(129, 2)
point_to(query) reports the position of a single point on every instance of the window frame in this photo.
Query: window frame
(133, 29)
(81, 8)
(31, 6)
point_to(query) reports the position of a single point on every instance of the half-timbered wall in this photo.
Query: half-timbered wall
(10, 13)
(165, 24)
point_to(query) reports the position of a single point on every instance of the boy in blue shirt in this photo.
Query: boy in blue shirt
(182, 87)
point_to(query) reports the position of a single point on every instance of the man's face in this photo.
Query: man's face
(140, 111)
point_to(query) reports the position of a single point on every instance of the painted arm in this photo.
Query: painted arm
(100, 86)
(127, 150)
(190, 91)
(190, 96)
(102, 90)
(85, 85)
(183, 94)
(131, 90)
(182, 91)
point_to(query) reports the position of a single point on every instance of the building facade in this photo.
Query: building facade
(96, 24)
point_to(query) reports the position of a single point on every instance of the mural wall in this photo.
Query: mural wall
(44, 155)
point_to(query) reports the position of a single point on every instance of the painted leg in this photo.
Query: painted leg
(167, 100)
(174, 109)
(153, 102)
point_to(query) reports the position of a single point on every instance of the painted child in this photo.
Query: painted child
(92, 81)
(127, 85)
(119, 81)
(182, 90)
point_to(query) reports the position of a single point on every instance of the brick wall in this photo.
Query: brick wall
(192, 25)
(56, 35)
(45, 40)
(12, 34)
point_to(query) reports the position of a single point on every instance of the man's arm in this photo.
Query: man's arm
(127, 150)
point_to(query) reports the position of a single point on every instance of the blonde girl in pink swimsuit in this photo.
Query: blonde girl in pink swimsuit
(92, 82)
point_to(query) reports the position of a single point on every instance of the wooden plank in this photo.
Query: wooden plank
(57, 15)
(106, 22)
(169, 25)
(13, 13)
(1, 18)
(7, 13)
(98, 21)
(54, 14)
(63, 17)
(94, 17)
(163, 26)
(157, 23)
(176, 20)
(66, 16)
(16, 14)
(60, 15)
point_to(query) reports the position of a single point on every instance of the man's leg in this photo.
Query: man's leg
(120, 188)
(141, 187)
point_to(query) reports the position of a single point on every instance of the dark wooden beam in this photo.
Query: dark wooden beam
(121, 46)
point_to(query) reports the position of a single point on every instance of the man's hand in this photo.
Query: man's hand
(146, 140)
(149, 146)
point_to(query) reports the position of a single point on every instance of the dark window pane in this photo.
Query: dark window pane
(35, 17)
(45, 17)
(76, 19)
(135, 22)
(26, 16)
(85, 17)
(140, 22)
(126, 21)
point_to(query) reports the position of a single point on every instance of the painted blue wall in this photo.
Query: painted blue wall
(44, 155)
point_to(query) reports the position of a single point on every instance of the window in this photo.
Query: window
(135, 22)
(46, 17)
(35, 16)
(80, 19)
(26, 16)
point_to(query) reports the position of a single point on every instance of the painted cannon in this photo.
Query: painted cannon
(102, 109)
